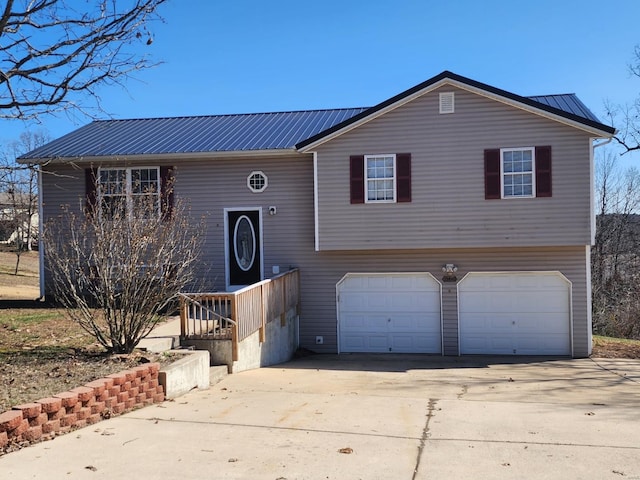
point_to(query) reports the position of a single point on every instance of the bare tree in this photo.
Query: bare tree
(126, 257)
(54, 51)
(615, 260)
(19, 190)
(626, 118)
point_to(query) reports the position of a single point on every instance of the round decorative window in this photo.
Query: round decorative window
(257, 181)
(244, 240)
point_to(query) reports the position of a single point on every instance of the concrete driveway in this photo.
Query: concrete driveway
(371, 417)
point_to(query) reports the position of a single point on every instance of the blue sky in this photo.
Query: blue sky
(239, 56)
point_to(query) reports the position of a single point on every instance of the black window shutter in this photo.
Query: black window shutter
(492, 174)
(356, 169)
(403, 177)
(90, 180)
(167, 179)
(543, 171)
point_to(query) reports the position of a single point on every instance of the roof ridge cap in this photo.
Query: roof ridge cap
(110, 120)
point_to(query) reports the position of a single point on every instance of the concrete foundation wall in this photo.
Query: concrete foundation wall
(188, 373)
(220, 352)
(281, 341)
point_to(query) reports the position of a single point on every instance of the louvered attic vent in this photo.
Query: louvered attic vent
(447, 102)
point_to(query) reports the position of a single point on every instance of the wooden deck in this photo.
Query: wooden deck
(236, 315)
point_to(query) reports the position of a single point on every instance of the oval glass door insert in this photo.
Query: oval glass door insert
(244, 240)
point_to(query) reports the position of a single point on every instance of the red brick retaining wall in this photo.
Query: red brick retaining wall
(115, 394)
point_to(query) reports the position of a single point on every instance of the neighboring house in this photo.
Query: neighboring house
(18, 219)
(454, 218)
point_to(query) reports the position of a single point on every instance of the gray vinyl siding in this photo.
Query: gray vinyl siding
(212, 186)
(448, 208)
(208, 187)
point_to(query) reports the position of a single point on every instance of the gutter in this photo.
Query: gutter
(40, 234)
(162, 157)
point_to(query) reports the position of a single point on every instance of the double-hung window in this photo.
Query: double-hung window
(134, 191)
(380, 182)
(380, 178)
(517, 170)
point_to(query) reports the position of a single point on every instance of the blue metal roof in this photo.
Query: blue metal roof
(216, 133)
(259, 131)
(567, 102)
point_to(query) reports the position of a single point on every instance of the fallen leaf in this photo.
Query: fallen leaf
(346, 450)
(91, 467)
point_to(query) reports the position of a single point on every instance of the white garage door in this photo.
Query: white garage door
(525, 313)
(389, 313)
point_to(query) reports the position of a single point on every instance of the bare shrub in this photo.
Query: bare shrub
(128, 257)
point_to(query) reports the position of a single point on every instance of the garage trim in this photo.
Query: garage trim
(354, 274)
(516, 272)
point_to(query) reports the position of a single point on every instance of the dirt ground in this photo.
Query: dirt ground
(43, 352)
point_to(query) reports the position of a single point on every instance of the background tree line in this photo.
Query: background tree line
(615, 257)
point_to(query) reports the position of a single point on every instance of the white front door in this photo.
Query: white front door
(397, 313)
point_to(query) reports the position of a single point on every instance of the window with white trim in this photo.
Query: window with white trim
(380, 178)
(132, 189)
(517, 167)
(257, 181)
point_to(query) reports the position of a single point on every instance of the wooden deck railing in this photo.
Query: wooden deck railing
(236, 315)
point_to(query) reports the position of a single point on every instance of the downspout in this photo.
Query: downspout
(588, 247)
(592, 166)
(40, 234)
(602, 144)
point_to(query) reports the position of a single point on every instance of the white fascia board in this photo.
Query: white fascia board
(463, 86)
(537, 111)
(164, 157)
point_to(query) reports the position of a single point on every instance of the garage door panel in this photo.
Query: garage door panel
(551, 345)
(390, 312)
(481, 323)
(370, 322)
(481, 344)
(515, 313)
(414, 323)
(519, 281)
(362, 300)
(411, 343)
(365, 343)
(550, 324)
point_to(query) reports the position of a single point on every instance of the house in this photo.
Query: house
(18, 219)
(454, 218)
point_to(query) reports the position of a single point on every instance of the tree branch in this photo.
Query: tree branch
(50, 52)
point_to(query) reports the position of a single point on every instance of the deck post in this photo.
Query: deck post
(283, 313)
(234, 328)
(183, 318)
(262, 315)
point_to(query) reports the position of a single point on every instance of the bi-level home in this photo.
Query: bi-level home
(454, 218)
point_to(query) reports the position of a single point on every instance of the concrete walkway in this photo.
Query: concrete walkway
(163, 337)
(371, 417)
